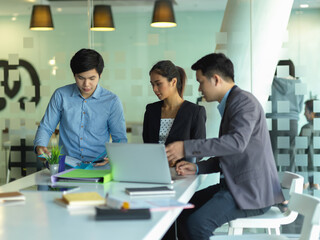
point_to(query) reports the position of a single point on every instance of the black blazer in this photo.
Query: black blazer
(189, 123)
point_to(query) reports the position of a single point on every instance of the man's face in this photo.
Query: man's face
(87, 82)
(207, 87)
(309, 115)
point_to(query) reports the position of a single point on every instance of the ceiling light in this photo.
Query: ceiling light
(102, 18)
(163, 15)
(304, 5)
(41, 19)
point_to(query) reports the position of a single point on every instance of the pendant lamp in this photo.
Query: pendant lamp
(163, 15)
(41, 19)
(102, 18)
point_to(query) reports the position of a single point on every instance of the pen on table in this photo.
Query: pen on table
(116, 203)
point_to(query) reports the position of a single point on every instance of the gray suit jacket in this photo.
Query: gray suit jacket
(242, 152)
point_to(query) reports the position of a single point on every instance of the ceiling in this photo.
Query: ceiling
(23, 7)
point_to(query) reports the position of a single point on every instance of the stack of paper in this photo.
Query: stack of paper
(81, 200)
(9, 198)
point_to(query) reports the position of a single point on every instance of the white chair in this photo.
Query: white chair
(306, 205)
(273, 218)
(7, 150)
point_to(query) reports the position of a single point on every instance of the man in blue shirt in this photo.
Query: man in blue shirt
(88, 114)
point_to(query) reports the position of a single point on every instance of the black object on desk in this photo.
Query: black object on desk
(103, 213)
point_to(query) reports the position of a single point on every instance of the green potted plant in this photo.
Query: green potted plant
(53, 159)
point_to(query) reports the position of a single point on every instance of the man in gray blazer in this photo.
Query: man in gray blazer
(249, 183)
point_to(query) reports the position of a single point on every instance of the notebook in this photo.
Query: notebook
(134, 162)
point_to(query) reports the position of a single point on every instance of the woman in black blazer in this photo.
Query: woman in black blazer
(172, 118)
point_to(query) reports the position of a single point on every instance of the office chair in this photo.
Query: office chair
(306, 205)
(273, 218)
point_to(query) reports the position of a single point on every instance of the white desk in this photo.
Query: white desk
(40, 218)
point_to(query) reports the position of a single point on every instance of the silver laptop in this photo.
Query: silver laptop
(131, 162)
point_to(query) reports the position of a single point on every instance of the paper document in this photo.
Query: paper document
(72, 162)
(76, 163)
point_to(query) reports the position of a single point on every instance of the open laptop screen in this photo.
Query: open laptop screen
(134, 162)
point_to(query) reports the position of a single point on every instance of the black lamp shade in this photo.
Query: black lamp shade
(163, 15)
(41, 19)
(102, 18)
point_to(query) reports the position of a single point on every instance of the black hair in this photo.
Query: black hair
(168, 70)
(215, 63)
(85, 60)
(309, 105)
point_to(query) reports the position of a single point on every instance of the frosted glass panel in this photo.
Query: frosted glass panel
(269, 123)
(316, 160)
(60, 58)
(301, 142)
(1, 91)
(221, 38)
(45, 91)
(316, 193)
(44, 75)
(30, 107)
(171, 55)
(136, 90)
(301, 160)
(136, 74)
(283, 159)
(283, 106)
(316, 177)
(120, 57)
(282, 71)
(283, 124)
(316, 106)
(304, 175)
(301, 89)
(15, 123)
(283, 142)
(188, 90)
(28, 42)
(30, 124)
(2, 123)
(29, 91)
(316, 142)
(14, 107)
(268, 107)
(120, 74)
(13, 75)
(13, 59)
(316, 124)
(153, 39)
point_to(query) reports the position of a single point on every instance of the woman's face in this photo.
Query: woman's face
(161, 86)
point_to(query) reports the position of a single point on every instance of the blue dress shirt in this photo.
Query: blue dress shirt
(222, 104)
(85, 124)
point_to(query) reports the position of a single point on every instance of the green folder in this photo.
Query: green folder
(83, 175)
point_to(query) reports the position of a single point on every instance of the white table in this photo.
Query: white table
(40, 218)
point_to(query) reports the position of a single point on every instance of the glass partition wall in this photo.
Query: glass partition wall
(273, 47)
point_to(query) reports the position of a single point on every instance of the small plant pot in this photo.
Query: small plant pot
(54, 168)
